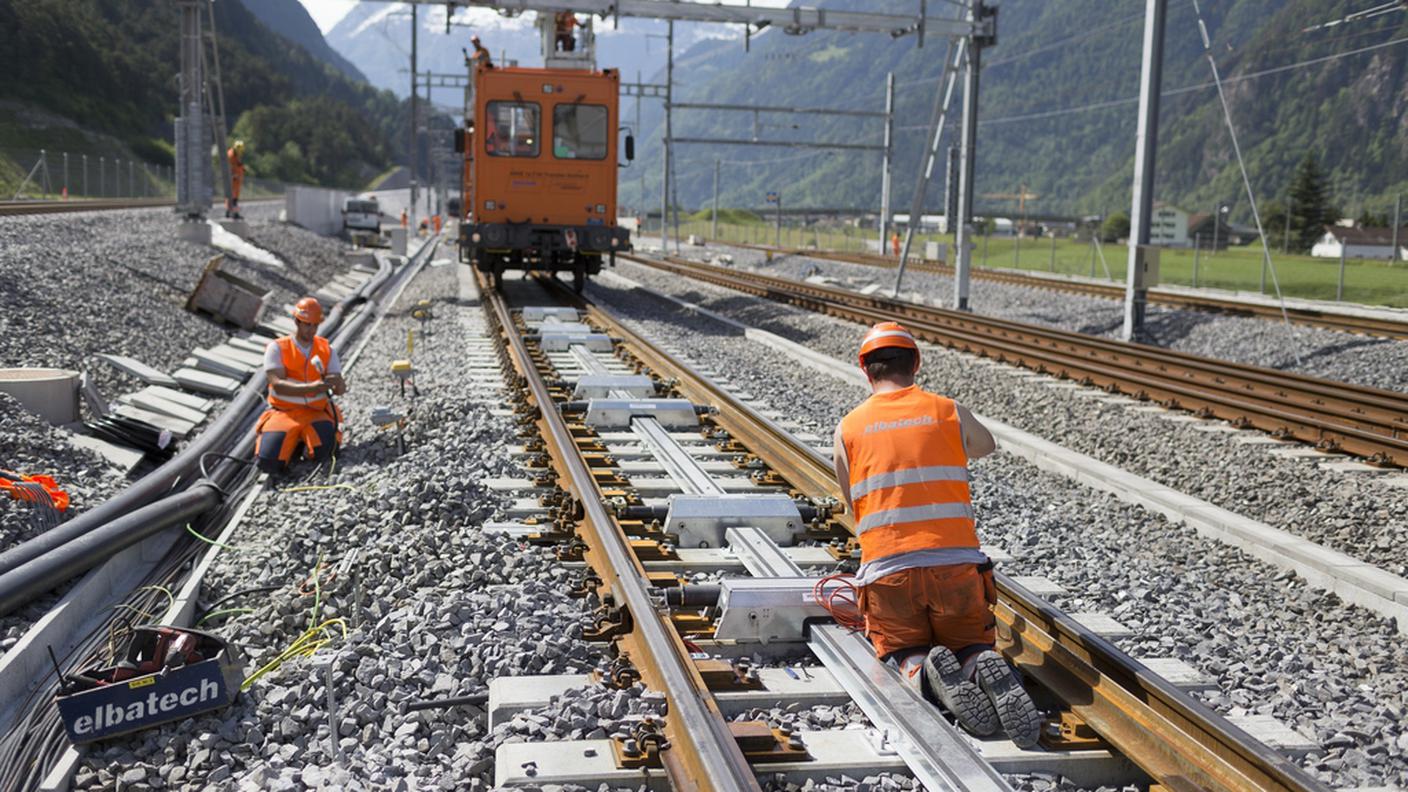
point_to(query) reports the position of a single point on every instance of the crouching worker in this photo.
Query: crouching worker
(302, 369)
(926, 589)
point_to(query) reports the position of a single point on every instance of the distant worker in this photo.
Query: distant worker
(926, 587)
(236, 156)
(302, 370)
(437, 222)
(565, 21)
(480, 55)
(405, 219)
(895, 243)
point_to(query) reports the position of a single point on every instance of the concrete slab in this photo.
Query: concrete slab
(1259, 439)
(219, 363)
(248, 344)
(1304, 452)
(1397, 480)
(182, 398)
(1216, 428)
(1350, 466)
(1275, 734)
(206, 382)
(139, 370)
(1180, 674)
(508, 484)
(1183, 418)
(249, 357)
(509, 696)
(175, 426)
(125, 459)
(1038, 585)
(157, 404)
(526, 507)
(1102, 624)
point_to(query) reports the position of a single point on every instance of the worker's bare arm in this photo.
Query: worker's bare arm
(977, 440)
(286, 387)
(843, 470)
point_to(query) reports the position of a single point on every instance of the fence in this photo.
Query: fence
(39, 174)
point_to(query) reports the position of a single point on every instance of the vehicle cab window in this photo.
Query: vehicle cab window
(579, 131)
(512, 129)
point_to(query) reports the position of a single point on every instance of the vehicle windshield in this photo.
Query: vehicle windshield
(364, 207)
(579, 131)
(512, 129)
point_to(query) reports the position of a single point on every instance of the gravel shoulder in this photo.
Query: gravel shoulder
(1346, 357)
(1361, 515)
(1337, 673)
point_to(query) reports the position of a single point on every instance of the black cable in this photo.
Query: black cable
(214, 606)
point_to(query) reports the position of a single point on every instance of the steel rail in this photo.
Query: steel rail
(12, 208)
(1298, 314)
(1178, 741)
(711, 757)
(1362, 421)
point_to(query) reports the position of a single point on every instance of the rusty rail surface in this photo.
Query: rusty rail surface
(1311, 317)
(1177, 740)
(1367, 422)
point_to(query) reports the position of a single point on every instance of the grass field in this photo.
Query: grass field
(1239, 269)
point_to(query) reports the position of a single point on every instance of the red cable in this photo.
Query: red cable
(842, 601)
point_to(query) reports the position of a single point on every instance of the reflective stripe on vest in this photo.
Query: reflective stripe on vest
(300, 369)
(908, 474)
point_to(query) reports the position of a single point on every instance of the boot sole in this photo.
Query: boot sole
(1014, 706)
(968, 703)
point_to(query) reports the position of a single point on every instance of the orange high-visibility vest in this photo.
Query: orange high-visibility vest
(297, 368)
(909, 474)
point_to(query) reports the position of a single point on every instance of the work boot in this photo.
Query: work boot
(961, 695)
(1013, 705)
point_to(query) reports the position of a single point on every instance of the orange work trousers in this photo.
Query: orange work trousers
(281, 434)
(927, 606)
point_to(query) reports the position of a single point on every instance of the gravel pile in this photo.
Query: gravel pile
(77, 284)
(1378, 362)
(1337, 673)
(1360, 515)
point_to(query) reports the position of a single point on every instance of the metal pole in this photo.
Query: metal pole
(669, 132)
(714, 228)
(987, 234)
(1397, 223)
(1339, 287)
(966, 156)
(1145, 151)
(1216, 221)
(1286, 243)
(1197, 254)
(102, 177)
(1052, 264)
(777, 237)
(887, 159)
(131, 179)
(66, 190)
(411, 205)
(1017, 249)
(85, 175)
(1092, 253)
(639, 97)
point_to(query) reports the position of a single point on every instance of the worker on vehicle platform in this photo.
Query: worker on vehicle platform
(235, 154)
(926, 587)
(405, 219)
(301, 369)
(565, 21)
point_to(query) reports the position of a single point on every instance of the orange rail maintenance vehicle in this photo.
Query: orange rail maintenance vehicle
(540, 169)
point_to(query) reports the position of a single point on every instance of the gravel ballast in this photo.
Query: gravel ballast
(1346, 357)
(1275, 646)
(1363, 516)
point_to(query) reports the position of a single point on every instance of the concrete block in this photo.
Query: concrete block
(1102, 624)
(1275, 734)
(522, 508)
(1350, 466)
(1179, 674)
(139, 370)
(1038, 585)
(509, 696)
(1304, 452)
(1249, 438)
(206, 382)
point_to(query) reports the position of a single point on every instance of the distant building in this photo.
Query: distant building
(1201, 232)
(1168, 226)
(928, 222)
(1360, 243)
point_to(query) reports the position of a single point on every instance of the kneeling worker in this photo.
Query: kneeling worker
(301, 369)
(926, 589)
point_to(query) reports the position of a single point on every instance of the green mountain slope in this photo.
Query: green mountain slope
(110, 66)
(291, 21)
(1057, 109)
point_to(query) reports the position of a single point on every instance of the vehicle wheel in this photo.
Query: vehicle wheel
(499, 276)
(579, 278)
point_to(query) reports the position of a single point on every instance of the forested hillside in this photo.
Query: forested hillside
(1058, 108)
(110, 67)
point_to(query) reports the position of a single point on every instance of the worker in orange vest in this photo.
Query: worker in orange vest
(895, 243)
(303, 372)
(436, 222)
(236, 156)
(565, 21)
(926, 587)
(405, 219)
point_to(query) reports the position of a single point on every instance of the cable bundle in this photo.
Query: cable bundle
(842, 601)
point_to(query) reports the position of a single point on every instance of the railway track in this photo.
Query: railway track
(1362, 421)
(614, 425)
(92, 205)
(1302, 315)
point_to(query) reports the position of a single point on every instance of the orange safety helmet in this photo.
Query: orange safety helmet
(308, 310)
(887, 334)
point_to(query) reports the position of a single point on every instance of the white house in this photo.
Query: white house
(1168, 226)
(1360, 243)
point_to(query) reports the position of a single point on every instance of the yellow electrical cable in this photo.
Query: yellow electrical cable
(305, 645)
(207, 539)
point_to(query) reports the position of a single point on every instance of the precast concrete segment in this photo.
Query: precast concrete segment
(1355, 581)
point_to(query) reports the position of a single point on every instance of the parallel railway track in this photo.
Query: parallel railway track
(1362, 421)
(1330, 320)
(1172, 738)
(93, 205)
